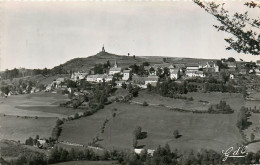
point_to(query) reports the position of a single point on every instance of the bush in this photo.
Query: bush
(176, 134)
(135, 143)
(145, 103)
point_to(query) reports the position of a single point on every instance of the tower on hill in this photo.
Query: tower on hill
(103, 48)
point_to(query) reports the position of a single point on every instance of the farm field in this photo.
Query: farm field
(83, 130)
(210, 131)
(20, 128)
(153, 98)
(11, 150)
(235, 100)
(37, 104)
(22, 116)
(255, 129)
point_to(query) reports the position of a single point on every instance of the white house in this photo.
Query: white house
(58, 82)
(231, 76)
(211, 65)
(257, 72)
(92, 78)
(174, 73)
(150, 152)
(99, 78)
(119, 83)
(194, 73)
(126, 74)
(192, 67)
(152, 79)
(114, 69)
(48, 88)
(231, 65)
(78, 76)
(138, 151)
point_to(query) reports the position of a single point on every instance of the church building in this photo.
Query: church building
(115, 69)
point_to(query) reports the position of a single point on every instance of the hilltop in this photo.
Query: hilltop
(85, 64)
(46, 76)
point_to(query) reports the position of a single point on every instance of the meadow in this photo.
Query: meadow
(155, 99)
(21, 128)
(28, 115)
(41, 104)
(255, 129)
(210, 131)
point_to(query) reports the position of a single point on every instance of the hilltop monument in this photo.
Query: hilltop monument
(103, 49)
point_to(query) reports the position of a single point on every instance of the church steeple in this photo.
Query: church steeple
(103, 48)
(115, 66)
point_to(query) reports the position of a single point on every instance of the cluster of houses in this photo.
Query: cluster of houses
(176, 71)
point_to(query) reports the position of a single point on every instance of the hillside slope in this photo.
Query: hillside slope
(85, 64)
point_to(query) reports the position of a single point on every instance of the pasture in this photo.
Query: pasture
(210, 131)
(21, 128)
(235, 100)
(37, 104)
(156, 99)
(28, 115)
(255, 129)
(11, 150)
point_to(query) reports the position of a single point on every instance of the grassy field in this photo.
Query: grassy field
(83, 130)
(11, 149)
(212, 131)
(236, 101)
(19, 121)
(18, 128)
(37, 104)
(255, 129)
(153, 98)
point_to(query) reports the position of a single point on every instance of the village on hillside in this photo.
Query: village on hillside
(208, 87)
(144, 75)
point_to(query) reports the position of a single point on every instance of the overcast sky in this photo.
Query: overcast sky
(46, 34)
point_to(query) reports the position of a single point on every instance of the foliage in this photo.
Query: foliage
(56, 131)
(222, 107)
(32, 158)
(243, 122)
(145, 103)
(245, 30)
(176, 134)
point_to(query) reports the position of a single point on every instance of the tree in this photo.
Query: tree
(164, 59)
(29, 141)
(176, 134)
(231, 59)
(124, 86)
(5, 90)
(245, 30)
(135, 143)
(145, 103)
(137, 132)
(252, 137)
(149, 87)
(146, 63)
